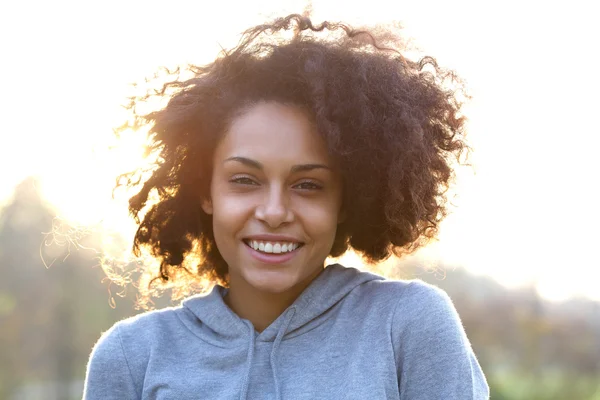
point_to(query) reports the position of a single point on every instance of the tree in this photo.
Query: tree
(53, 305)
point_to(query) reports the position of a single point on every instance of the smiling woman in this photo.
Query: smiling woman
(284, 194)
(282, 152)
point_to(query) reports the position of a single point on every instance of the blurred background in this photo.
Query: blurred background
(517, 255)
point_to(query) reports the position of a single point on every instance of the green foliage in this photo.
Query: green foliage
(549, 385)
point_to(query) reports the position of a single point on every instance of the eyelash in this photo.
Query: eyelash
(244, 180)
(315, 186)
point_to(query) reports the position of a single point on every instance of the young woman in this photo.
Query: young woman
(274, 157)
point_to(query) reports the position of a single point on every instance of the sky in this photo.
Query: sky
(526, 213)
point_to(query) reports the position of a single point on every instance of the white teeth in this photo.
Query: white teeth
(273, 247)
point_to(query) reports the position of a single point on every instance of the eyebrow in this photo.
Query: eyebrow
(257, 165)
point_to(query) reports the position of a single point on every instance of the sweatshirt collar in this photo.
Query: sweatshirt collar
(215, 321)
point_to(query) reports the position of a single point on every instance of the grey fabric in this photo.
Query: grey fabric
(349, 335)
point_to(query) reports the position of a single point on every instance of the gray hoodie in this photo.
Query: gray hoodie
(349, 335)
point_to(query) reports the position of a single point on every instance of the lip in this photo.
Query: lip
(271, 258)
(273, 238)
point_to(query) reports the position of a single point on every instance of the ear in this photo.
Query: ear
(207, 206)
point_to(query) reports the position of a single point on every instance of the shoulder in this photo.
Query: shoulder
(150, 323)
(413, 308)
(423, 302)
(118, 361)
(406, 306)
(135, 336)
(407, 298)
(425, 309)
(433, 354)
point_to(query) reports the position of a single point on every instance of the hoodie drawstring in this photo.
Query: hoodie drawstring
(246, 381)
(284, 326)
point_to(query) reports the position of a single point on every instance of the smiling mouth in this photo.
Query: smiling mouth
(267, 247)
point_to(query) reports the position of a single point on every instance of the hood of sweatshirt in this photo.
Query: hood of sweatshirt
(214, 322)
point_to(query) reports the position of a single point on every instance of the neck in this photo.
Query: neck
(259, 307)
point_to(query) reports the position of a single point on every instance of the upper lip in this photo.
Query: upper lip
(273, 238)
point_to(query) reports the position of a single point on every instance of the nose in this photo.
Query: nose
(274, 210)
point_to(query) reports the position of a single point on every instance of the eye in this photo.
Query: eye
(243, 180)
(308, 185)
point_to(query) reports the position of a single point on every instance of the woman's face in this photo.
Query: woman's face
(275, 199)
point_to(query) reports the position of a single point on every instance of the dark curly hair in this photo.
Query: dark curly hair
(393, 125)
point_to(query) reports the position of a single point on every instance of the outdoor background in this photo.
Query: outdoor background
(518, 255)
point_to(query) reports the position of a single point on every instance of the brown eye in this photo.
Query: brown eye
(308, 185)
(243, 181)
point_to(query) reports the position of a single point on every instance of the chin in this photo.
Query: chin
(273, 281)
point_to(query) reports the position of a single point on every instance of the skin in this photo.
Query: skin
(258, 187)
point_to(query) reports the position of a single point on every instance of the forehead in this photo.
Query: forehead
(273, 132)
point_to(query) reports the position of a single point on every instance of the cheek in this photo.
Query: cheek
(230, 213)
(228, 221)
(320, 220)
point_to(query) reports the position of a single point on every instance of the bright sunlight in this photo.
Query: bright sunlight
(521, 212)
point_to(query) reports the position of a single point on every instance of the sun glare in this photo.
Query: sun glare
(523, 212)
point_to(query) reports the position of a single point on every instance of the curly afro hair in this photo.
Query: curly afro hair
(393, 125)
